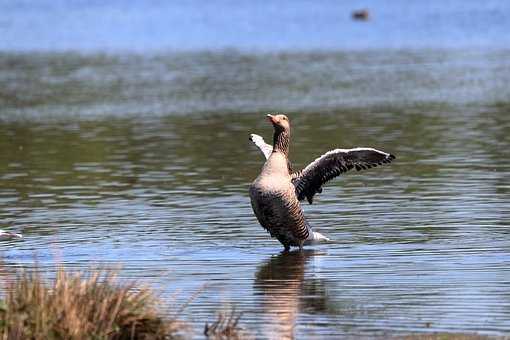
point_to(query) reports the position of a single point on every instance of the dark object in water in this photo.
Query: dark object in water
(360, 14)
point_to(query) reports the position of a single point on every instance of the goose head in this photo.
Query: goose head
(280, 122)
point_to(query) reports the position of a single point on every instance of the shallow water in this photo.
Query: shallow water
(144, 161)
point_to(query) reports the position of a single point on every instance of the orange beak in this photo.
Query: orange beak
(271, 118)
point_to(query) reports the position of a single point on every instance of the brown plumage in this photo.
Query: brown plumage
(276, 192)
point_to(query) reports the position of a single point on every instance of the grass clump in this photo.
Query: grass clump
(92, 305)
(226, 327)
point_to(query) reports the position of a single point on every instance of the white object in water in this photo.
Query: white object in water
(7, 235)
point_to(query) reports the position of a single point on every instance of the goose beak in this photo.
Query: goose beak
(270, 118)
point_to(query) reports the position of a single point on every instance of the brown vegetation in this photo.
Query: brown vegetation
(225, 327)
(81, 306)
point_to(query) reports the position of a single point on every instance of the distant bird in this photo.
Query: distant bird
(7, 235)
(276, 192)
(360, 14)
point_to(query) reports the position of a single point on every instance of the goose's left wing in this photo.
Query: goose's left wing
(310, 180)
(262, 145)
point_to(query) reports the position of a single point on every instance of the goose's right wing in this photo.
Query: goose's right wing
(262, 145)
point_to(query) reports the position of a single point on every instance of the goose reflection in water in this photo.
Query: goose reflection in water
(284, 292)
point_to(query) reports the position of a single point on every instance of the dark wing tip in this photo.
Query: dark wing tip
(388, 159)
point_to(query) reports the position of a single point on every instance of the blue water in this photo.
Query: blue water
(123, 138)
(253, 25)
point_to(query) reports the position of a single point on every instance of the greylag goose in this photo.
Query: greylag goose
(276, 193)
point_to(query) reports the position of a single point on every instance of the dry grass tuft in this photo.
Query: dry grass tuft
(81, 306)
(226, 327)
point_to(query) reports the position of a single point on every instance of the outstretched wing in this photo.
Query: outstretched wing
(311, 179)
(262, 145)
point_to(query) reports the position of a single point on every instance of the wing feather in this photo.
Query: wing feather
(262, 145)
(310, 180)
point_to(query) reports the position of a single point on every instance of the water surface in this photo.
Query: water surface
(124, 160)
(124, 141)
(254, 25)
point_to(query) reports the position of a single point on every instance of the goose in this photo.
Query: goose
(276, 193)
